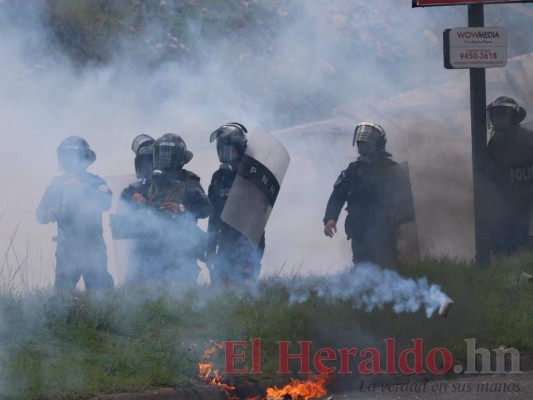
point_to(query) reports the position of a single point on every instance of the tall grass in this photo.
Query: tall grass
(14, 268)
(133, 339)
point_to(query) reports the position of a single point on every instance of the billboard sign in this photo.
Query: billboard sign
(475, 47)
(427, 3)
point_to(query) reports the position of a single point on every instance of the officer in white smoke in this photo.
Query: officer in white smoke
(372, 227)
(76, 201)
(230, 256)
(510, 167)
(177, 200)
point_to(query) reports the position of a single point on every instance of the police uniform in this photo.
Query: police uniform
(231, 255)
(510, 164)
(78, 207)
(373, 235)
(141, 186)
(510, 170)
(177, 241)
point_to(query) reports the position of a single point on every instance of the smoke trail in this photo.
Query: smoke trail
(369, 287)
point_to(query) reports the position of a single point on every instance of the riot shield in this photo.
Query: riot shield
(118, 259)
(396, 199)
(256, 186)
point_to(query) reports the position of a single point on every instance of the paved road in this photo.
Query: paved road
(486, 387)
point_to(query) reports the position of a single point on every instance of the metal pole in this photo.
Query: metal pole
(478, 103)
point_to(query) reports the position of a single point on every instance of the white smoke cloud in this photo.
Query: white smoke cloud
(396, 49)
(369, 287)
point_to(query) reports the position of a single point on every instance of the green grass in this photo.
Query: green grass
(134, 339)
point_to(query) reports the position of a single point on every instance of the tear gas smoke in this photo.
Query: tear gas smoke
(323, 67)
(356, 59)
(369, 287)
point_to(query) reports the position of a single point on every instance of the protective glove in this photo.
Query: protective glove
(330, 228)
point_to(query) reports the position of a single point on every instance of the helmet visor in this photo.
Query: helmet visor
(502, 117)
(169, 155)
(227, 152)
(163, 156)
(144, 165)
(366, 133)
(141, 141)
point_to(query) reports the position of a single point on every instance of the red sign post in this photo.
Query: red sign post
(428, 3)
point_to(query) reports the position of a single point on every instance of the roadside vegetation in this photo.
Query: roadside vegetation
(134, 339)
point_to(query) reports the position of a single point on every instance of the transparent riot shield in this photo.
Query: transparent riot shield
(256, 186)
(119, 254)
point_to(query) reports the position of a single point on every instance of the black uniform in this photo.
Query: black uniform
(77, 201)
(374, 237)
(230, 254)
(141, 186)
(176, 241)
(510, 169)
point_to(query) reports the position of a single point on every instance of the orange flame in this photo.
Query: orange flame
(315, 386)
(213, 377)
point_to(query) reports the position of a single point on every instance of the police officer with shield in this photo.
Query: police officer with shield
(374, 216)
(230, 256)
(76, 201)
(510, 172)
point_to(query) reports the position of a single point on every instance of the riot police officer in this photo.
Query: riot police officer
(177, 200)
(373, 233)
(76, 201)
(230, 255)
(510, 171)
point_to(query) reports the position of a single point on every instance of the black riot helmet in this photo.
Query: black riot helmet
(74, 154)
(231, 142)
(143, 147)
(370, 133)
(170, 152)
(505, 112)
